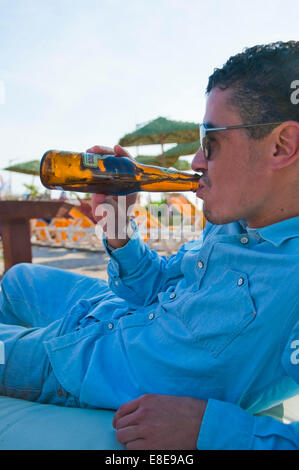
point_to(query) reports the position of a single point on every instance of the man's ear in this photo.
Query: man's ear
(286, 149)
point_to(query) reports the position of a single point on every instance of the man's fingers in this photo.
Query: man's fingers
(130, 419)
(124, 410)
(117, 150)
(121, 152)
(137, 444)
(101, 149)
(128, 434)
(96, 200)
(131, 437)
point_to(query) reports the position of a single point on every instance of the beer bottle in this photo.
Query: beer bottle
(108, 174)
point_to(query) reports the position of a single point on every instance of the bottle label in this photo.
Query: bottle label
(90, 160)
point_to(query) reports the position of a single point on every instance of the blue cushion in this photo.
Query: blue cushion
(26, 425)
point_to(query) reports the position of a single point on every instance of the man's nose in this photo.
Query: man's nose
(199, 163)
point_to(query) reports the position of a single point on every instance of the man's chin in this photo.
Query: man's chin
(217, 219)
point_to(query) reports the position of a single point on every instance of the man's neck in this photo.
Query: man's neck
(273, 218)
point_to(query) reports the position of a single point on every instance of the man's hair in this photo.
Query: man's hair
(261, 78)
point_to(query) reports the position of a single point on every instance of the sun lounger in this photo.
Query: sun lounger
(26, 425)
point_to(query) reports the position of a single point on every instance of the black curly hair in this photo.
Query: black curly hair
(261, 78)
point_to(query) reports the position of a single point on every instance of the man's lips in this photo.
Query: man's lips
(200, 190)
(201, 187)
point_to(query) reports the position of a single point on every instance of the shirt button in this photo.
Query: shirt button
(116, 283)
(244, 240)
(151, 316)
(200, 264)
(241, 281)
(172, 295)
(110, 326)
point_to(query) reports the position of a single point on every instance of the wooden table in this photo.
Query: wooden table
(15, 226)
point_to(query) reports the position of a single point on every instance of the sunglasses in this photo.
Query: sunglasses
(206, 144)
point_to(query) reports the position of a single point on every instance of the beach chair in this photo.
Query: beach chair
(156, 235)
(77, 231)
(164, 236)
(181, 204)
(26, 425)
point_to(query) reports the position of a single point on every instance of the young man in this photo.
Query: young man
(211, 322)
(257, 83)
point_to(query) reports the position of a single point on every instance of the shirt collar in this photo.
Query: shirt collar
(279, 232)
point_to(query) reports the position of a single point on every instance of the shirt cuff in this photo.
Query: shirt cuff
(124, 259)
(225, 426)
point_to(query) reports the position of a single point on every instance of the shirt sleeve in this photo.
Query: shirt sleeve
(226, 426)
(138, 274)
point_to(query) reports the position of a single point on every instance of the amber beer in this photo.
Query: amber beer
(108, 174)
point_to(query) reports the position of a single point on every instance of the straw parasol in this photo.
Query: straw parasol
(29, 168)
(171, 156)
(162, 131)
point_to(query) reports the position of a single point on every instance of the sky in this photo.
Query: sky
(74, 74)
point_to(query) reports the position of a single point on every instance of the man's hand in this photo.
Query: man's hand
(101, 204)
(159, 422)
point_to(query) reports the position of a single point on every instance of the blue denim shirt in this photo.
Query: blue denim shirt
(227, 426)
(212, 322)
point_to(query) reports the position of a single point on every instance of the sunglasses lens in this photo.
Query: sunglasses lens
(204, 141)
(206, 147)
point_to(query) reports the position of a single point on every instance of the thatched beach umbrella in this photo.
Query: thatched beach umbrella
(171, 156)
(162, 131)
(29, 168)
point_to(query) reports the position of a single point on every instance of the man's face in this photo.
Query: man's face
(234, 182)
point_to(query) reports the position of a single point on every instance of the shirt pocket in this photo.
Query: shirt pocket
(219, 311)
